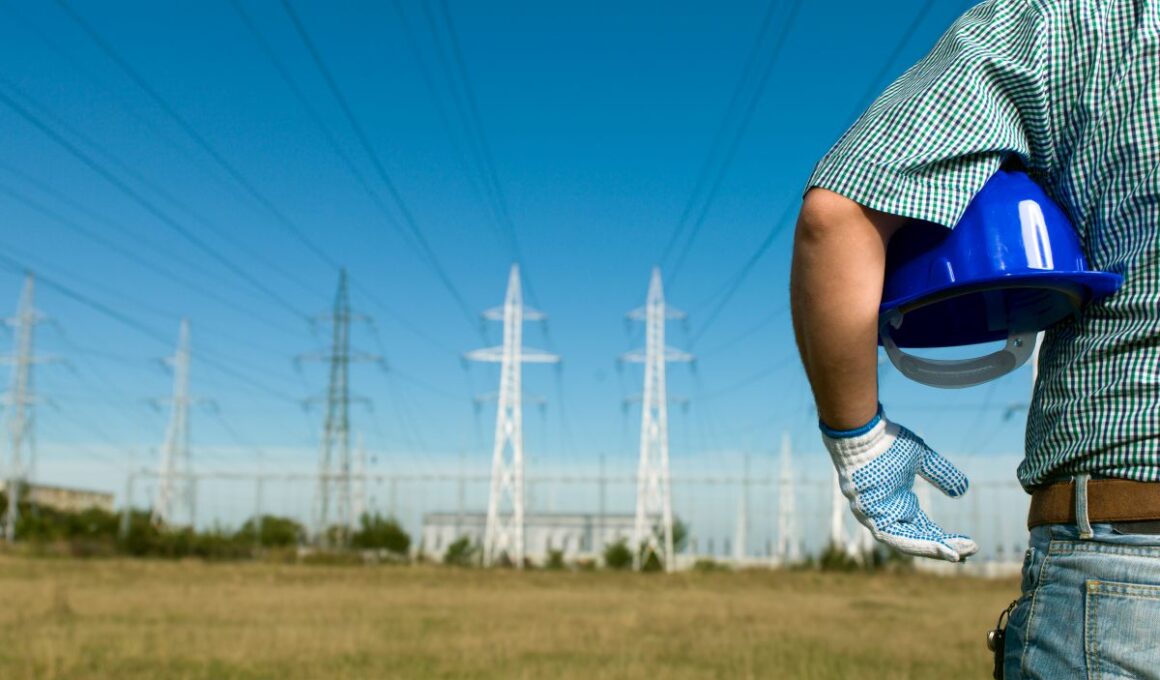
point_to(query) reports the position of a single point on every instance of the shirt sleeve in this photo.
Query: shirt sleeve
(927, 145)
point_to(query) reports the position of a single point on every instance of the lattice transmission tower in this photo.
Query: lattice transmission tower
(504, 533)
(176, 496)
(787, 525)
(334, 500)
(653, 528)
(20, 401)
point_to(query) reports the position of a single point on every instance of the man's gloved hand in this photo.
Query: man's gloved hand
(876, 467)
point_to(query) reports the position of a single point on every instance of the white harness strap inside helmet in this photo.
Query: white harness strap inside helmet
(956, 372)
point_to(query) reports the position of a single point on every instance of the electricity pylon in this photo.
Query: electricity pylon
(175, 486)
(741, 534)
(334, 487)
(504, 533)
(654, 504)
(19, 400)
(787, 540)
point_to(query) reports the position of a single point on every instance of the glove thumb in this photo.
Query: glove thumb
(943, 475)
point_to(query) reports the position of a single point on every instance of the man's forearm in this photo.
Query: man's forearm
(839, 258)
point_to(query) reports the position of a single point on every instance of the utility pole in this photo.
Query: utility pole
(837, 516)
(334, 464)
(603, 506)
(741, 536)
(20, 400)
(787, 540)
(653, 485)
(360, 485)
(176, 484)
(504, 533)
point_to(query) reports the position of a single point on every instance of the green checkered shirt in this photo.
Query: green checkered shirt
(1072, 88)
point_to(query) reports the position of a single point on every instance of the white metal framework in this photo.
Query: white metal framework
(787, 538)
(653, 532)
(504, 534)
(19, 401)
(175, 498)
(741, 533)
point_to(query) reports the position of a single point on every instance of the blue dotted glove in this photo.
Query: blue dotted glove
(876, 467)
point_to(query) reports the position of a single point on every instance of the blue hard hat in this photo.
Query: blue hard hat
(1012, 266)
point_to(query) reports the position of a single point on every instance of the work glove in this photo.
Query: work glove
(876, 466)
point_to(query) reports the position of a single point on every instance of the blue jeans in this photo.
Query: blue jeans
(1090, 606)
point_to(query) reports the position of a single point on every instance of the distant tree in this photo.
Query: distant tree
(271, 532)
(618, 555)
(680, 534)
(837, 558)
(555, 559)
(461, 553)
(380, 533)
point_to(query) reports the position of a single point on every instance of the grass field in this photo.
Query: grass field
(130, 620)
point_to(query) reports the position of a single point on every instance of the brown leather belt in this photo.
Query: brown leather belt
(1109, 500)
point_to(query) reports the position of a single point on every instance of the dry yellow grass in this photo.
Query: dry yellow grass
(136, 619)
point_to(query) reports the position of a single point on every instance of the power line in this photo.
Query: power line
(735, 143)
(313, 114)
(128, 169)
(148, 124)
(63, 199)
(722, 129)
(467, 105)
(441, 111)
(193, 134)
(316, 118)
(14, 266)
(166, 272)
(730, 287)
(145, 203)
(376, 162)
(752, 378)
(766, 321)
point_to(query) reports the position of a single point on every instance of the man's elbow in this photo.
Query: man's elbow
(827, 215)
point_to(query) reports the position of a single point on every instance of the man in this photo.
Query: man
(1070, 89)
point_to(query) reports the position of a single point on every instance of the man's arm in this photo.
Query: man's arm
(839, 257)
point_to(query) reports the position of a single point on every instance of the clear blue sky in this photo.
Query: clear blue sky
(598, 117)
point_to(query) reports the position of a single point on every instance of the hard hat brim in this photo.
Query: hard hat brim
(982, 311)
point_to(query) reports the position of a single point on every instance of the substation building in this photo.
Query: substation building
(66, 499)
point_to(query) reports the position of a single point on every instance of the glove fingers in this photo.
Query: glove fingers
(920, 546)
(942, 474)
(921, 536)
(963, 545)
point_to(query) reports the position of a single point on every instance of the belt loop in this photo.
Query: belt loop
(1081, 506)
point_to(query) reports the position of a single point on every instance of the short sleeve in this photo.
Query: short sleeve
(928, 144)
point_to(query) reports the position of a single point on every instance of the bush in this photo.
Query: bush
(618, 555)
(379, 533)
(555, 560)
(272, 532)
(836, 558)
(880, 557)
(461, 553)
